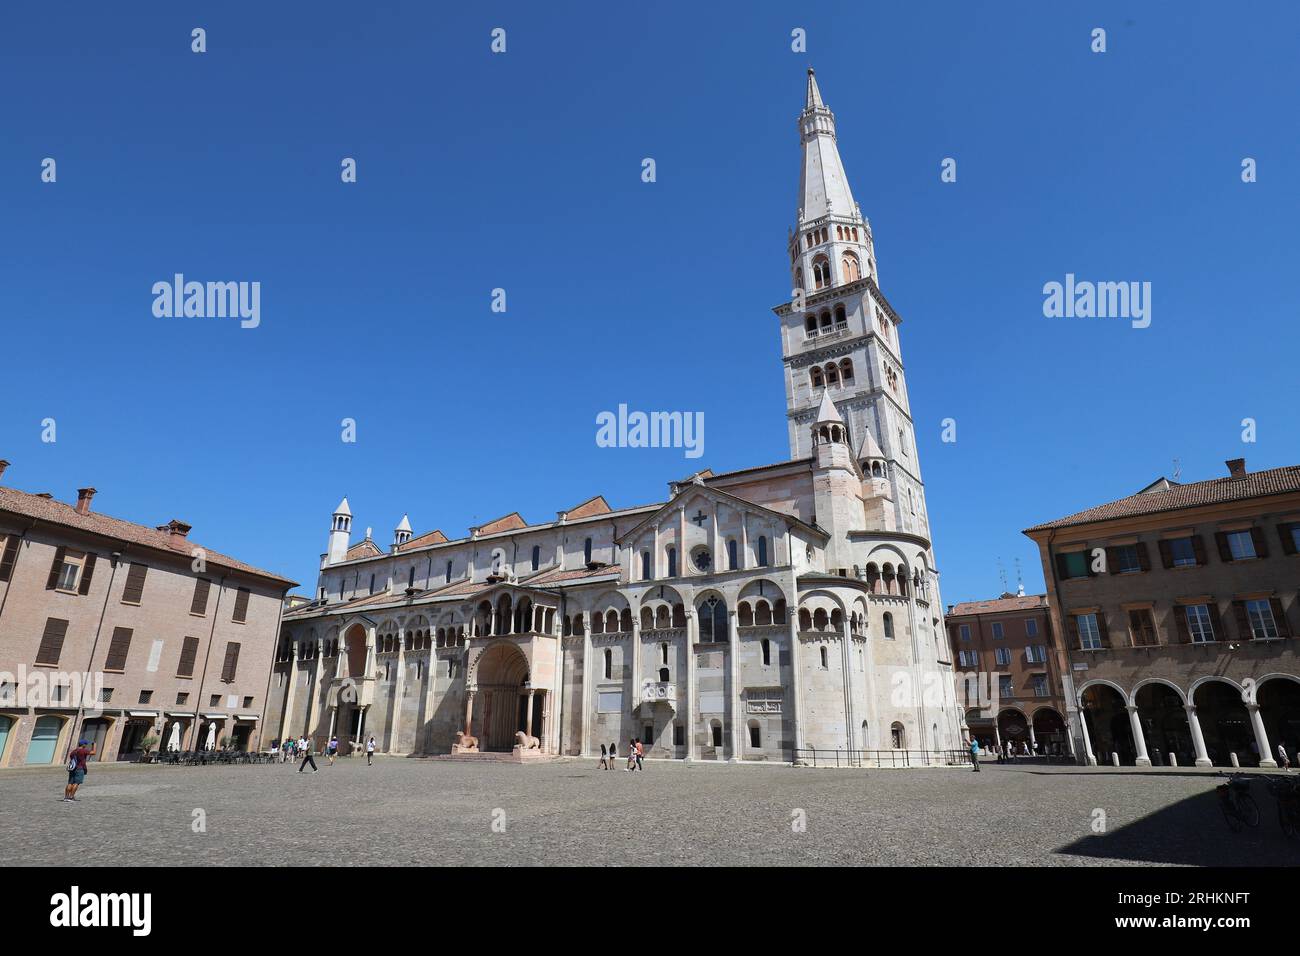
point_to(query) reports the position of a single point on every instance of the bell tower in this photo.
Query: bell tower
(839, 335)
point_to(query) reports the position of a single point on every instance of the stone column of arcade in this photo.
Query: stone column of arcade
(1261, 736)
(1198, 738)
(1139, 738)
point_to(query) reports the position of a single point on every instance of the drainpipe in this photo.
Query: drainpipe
(266, 697)
(114, 558)
(198, 703)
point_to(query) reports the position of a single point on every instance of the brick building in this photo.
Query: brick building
(1007, 657)
(125, 632)
(1178, 606)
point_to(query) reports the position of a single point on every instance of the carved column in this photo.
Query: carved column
(469, 712)
(737, 717)
(530, 713)
(1198, 738)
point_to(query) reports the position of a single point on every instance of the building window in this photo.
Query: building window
(755, 736)
(825, 663)
(889, 626)
(146, 696)
(731, 555)
(1036, 653)
(1073, 564)
(586, 551)
(964, 631)
(214, 700)
(1031, 627)
(715, 729)
(1182, 553)
(762, 551)
(702, 559)
(1142, 628)
(537, 557)
(609, 664)
(1004, 657)
(1241, 545)
(1006, 686)
(998, 633)
(182, 699)
(1199, 627)
(240, 614)
(372, 584)
(897, 736)
(767, 652)
(663, 652)
(66, 572)
(1262, 625)
(1089, 634)
(248, 702)
(966, 658)
(645, 565)
(448, 577)
(1040, 685)
(672, 562)
(679, 735)
(713, 621)
(1125, 559)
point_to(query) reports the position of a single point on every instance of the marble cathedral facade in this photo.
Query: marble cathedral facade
(751, 614)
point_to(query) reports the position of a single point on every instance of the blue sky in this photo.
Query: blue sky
(522, 171)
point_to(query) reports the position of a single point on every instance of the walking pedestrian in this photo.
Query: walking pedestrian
(370, 751)
(332, 749)
(631, 756)
(307, 758)
(77, 769)
(613, 752)
(975, 755)
(1283, 760)
(640, 753)
(604, 758)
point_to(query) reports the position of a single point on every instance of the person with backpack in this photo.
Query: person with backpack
(77, 769)
(370, 752)
(332, 749)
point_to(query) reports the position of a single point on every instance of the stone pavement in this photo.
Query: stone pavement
(565, 812)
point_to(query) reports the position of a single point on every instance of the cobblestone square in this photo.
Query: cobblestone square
(565, 812)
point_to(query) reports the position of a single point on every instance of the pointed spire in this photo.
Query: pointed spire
(343, 508)
(823, 186)
(826, 412)
(869, 450)
(404, 524)
(814, 98)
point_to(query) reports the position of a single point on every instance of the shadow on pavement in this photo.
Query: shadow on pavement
(1193, 832)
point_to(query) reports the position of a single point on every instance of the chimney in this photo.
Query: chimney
(1236, 467)
(84, 496)
(177, 530)
(3, 465)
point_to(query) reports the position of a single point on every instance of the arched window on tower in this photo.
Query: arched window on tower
(815, 377)
(841, 318)
(810, 326)
(832, 375)
(798, 278)
(846, 371)
(821, 273)
(852, 269)
(825, 319)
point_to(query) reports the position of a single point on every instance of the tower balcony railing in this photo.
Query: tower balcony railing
(658, 692)
(814, 339)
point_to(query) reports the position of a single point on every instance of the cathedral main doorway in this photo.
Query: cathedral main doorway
(502, 680)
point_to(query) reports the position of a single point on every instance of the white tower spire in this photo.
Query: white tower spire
(340, 532)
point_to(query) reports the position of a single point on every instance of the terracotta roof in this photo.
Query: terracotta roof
(592, 506)
(1029, 602)
(431, 537)
(366, 549)
(510, 522)
(1257, 484)
(556, 576)
(56, 512)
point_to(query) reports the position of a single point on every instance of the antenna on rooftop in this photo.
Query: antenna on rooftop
(1020, 580)
(1178, 468)
(1002, 575)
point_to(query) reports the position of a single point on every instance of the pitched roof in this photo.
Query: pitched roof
(592, 506)
(56, 512)
(1027, 602)
(510, 522)
(429, 537)
(1257, 484)
(362, 549)
(826, 411)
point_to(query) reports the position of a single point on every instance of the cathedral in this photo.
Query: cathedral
(756, 614)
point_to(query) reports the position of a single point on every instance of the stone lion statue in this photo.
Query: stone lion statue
(525, 742)
(465, 742)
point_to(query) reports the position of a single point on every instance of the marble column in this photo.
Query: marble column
(399, 691)
(588, 677)
(1198, 738)
(1139, 738)
(1087, 739)
(530, 713)
(469, 712)
(796, 677)
(736, 708)
(687, 694)
(1261, 736)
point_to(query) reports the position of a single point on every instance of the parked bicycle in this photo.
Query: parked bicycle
(1287, 794)
(1238, 806)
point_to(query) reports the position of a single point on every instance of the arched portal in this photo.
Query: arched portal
(1108, 724)
(501, 673)
(1225, 724)
(1164, 724)
(1279, 705)
(1013, 728)
(355, 642)
(1049, 732)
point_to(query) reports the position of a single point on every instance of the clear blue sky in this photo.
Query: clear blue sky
(522, 171)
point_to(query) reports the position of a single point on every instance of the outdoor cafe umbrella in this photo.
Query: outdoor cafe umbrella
(212, 737)
(174, 742)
